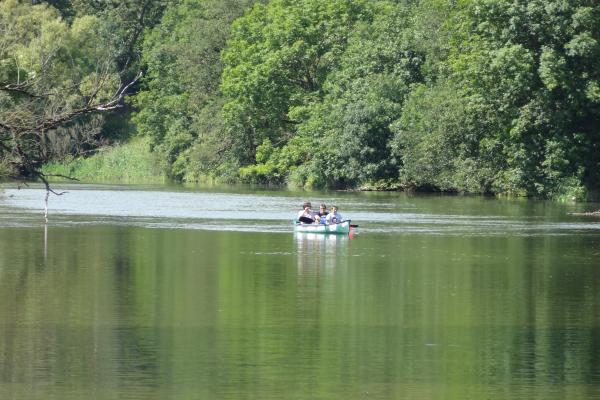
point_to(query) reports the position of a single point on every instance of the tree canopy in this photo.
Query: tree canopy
(57, 76)
(50, 72)
(481, 96)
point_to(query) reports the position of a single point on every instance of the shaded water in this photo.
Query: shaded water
(168, 293)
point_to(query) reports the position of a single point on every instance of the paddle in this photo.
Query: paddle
(351, 225)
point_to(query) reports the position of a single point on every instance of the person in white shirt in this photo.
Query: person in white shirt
(306, 215)
(334, 217)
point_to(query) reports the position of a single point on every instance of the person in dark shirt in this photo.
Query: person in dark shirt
(322, 214)
(323, 210)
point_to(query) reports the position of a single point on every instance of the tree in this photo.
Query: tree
(179, 106)
(51, 76)
(340, 129)
(127, 20)
(524, 78)
(363, 97)
(276, 63)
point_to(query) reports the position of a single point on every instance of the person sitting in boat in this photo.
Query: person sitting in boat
(322, 213)
(334, 217)
(305, 215)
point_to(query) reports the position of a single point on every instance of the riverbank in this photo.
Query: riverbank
(134, 163)
(130, 162)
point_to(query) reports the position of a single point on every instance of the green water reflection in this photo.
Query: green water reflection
(109, 312)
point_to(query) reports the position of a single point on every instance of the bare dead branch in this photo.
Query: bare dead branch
(114, 103)
(48, 191)
(71, 178)
(43, 178)
(21, 88)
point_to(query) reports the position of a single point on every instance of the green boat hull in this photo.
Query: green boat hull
(342, 227)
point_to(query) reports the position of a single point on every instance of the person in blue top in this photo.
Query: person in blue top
(334, 217)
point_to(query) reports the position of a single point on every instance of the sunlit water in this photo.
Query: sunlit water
(269, 211)
(189, 293)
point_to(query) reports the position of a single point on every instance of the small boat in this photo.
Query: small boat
(340, 227)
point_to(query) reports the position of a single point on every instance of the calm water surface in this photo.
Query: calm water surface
(183, 293)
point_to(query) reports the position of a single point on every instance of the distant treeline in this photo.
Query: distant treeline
(480, 96)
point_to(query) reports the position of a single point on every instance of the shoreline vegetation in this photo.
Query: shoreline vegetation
(134, 163)
(130, 162)
(489, 97)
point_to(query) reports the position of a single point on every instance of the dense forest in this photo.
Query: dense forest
(478, 96)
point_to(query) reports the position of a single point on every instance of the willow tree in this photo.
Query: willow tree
(55, 78)
(52, 75)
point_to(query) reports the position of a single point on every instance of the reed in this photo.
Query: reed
(130, 162)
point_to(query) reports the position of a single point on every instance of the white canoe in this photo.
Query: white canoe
(342, 227)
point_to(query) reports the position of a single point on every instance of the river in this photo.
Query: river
(172, 292)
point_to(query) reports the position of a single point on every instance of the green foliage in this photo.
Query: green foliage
(486, 96)
(336, 75)
(128, 163)
(5, 169)
(363, 97)
(126, 20)
(48, 70)
(37, 46)
(63, 64)
(429, 151)
(273, 165)
(277, 61)
(516, 108)
(179, 107)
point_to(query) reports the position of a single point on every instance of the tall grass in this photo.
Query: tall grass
(131, 162)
